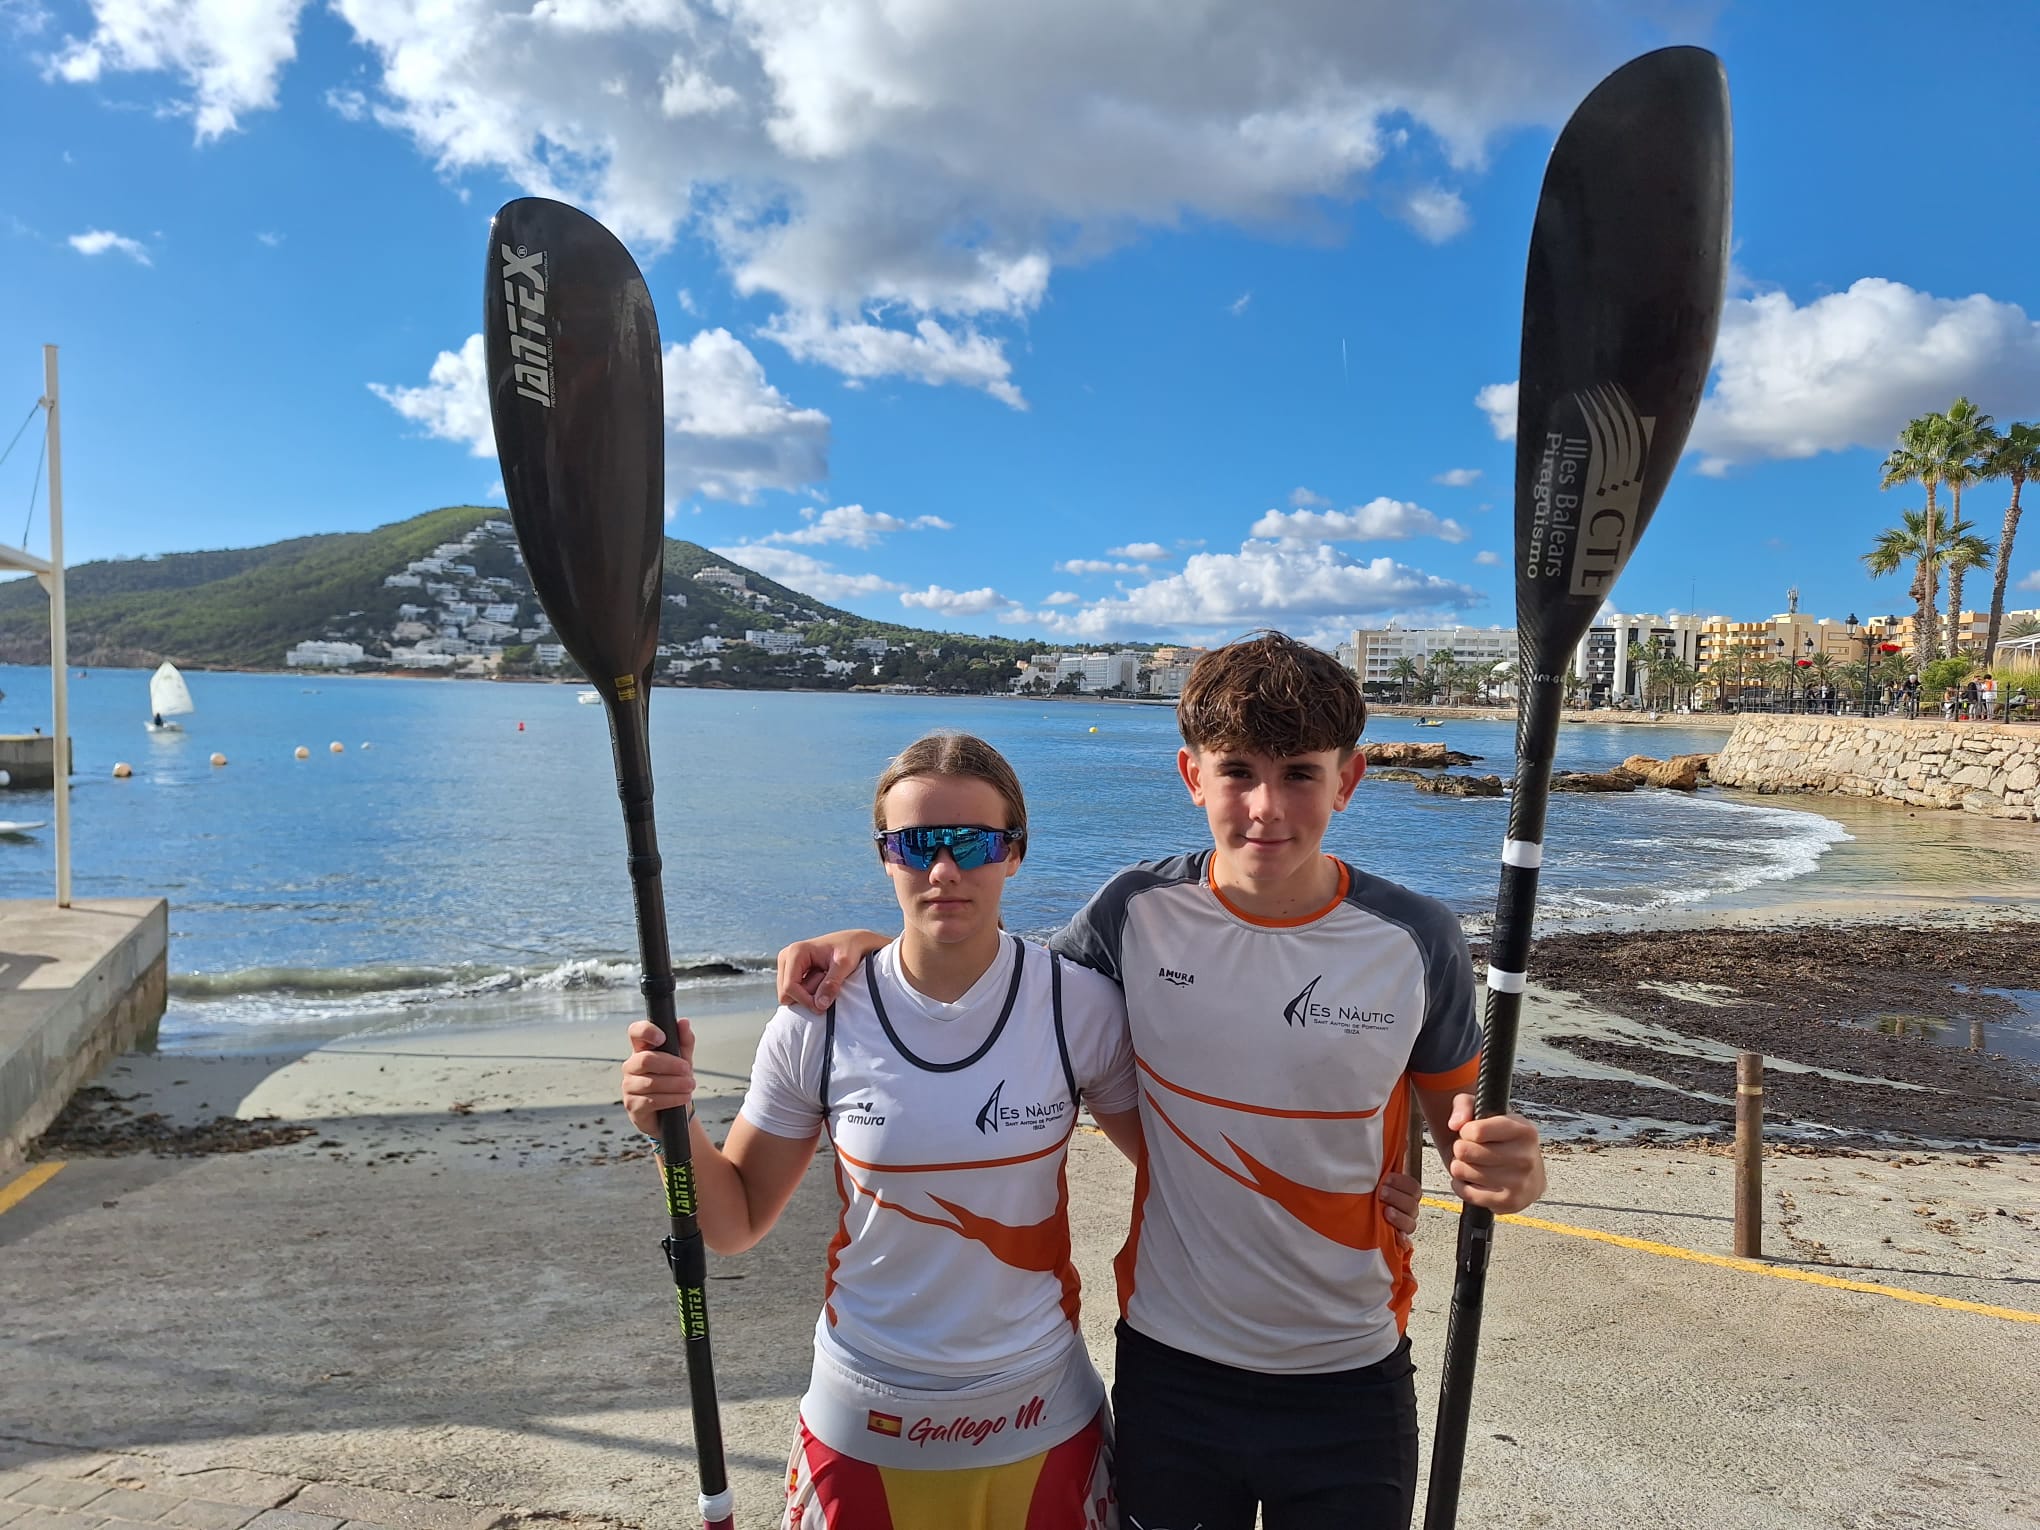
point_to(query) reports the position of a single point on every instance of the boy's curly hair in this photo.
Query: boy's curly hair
(1272, 695)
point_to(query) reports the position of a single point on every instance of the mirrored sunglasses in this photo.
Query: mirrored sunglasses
(971, 847)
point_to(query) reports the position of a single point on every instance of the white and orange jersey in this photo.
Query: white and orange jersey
(950, 1270)
(1273, 1062)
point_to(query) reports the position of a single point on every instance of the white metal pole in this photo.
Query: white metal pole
(60, 658)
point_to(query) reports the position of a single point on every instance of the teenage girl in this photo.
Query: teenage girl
(951, 1389)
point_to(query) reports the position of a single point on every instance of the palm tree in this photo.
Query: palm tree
(2014, 457)
(1922, 457)
(1920, 539)
(1402, 672)
(1440, 670)
(1963, 551)
(2025, 626)
(1969, 442)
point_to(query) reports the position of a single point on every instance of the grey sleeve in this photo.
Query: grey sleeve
(1096, 938)
(1093, 938)
(1448, 1045)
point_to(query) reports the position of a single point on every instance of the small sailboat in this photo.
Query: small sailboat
(589, 698)
(169, 697)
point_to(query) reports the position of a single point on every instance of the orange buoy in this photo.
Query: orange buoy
(122, 771)
(303, 753)
(219, 759)
(520, 727)
(337, 747)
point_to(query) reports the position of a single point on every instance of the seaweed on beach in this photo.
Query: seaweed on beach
(1848, 998)
(97, 1123)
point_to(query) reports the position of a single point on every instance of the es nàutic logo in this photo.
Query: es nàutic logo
(1308, 1009)
(995, 1115)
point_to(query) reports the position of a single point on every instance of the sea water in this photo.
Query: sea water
(463, 852)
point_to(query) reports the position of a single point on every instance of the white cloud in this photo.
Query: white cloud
(1849, 369)
(1498, 402)
(1436, 213)
(1303, 498)
(1143, 550)
(730, 433)
(1061, 598)
(1279, 584)
(807, 574)
(228, 55)
(347, 104)
(269, 238)
(100, 240)
(1457, 478)
(956, 602)
(1379, 520)
(453, 403)
(1488, 558)
(2030, 581)
(869, 166)
(1846, 370)
(854, 525)
(930, 354)
(1238, 305)
(1085, 567)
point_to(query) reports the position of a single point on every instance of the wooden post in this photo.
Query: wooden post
(1749, 1155)
(1976, 1035)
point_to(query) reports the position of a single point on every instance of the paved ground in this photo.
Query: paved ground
(447, 1304)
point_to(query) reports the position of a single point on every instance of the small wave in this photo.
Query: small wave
(426, 984)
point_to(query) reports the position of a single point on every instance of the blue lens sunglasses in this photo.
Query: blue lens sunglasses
(971, 847)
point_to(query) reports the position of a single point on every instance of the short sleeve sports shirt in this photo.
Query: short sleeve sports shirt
(1273, 1061)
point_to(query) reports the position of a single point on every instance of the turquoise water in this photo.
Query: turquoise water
(462, 856)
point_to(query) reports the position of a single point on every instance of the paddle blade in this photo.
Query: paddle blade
(578, 405)
(1628, 258)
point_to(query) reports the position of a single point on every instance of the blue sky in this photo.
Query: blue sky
(1066, 319)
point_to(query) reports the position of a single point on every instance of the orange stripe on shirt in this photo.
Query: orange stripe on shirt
(1253, 1110)
(1465, 1076)
(943, 1168)
(1345, 886)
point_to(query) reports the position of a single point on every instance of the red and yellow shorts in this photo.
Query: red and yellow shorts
(1067, 1487)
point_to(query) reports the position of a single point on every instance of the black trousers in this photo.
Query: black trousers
(1200, 1444)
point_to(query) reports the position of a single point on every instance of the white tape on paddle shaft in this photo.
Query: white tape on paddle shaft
(1526, 853)
(719, 1508)
(1506, 982)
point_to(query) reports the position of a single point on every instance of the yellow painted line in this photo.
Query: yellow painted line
(19, 1190)
(1755, 1267)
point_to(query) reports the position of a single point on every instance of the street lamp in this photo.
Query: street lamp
(1873, 644)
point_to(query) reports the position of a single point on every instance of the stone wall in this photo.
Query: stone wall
(1991, 768)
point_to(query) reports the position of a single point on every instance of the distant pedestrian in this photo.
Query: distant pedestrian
(1972, 700)
(1986, 691)
(1950, 703)
(1911, 688)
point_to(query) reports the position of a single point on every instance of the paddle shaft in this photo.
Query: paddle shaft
(1508, 956)
(683, 1247)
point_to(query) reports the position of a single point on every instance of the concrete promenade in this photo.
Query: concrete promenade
(78, 986)
(447, 1306)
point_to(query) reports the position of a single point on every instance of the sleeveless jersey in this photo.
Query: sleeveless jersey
(1272, 1062)
(948, 1329)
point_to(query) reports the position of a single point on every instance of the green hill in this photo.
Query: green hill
(244, 608)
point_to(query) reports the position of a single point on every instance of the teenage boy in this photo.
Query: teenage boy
(1285, 1009)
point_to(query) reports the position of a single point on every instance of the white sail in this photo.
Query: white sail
(168, 694)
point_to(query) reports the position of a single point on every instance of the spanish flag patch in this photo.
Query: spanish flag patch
(883, 1423)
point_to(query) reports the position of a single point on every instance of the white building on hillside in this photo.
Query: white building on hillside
(321, 655)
